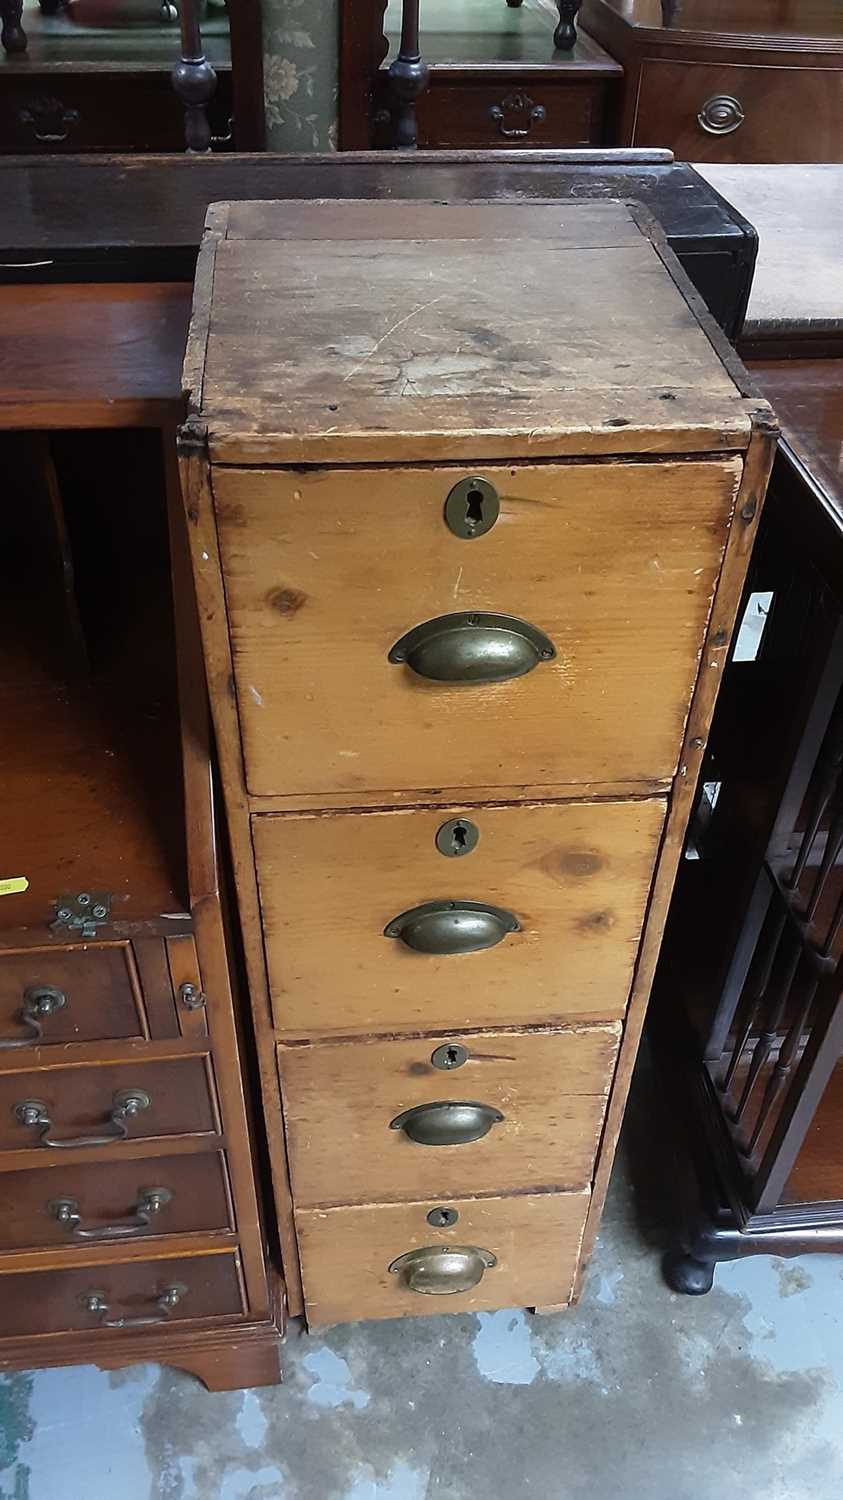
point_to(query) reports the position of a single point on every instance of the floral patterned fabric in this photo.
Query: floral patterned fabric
(301, 45)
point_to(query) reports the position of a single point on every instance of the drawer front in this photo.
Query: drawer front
(326, 571)
(105, 1106)
(102, 1204)
(574, 876)
(782, 115)
(139, 1294)
(346, 1254)
(473, 114)
(539, 1098)
(100, 112)
(54, 996)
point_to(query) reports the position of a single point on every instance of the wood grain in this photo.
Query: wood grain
(444, 348)
(551, 1088)
(346, 1253)
(616, 563)
(576, 877)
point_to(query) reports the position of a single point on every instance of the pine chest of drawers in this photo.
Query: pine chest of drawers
(471, 492)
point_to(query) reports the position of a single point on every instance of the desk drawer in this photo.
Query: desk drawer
(347, 1252)
(539, 1097)
(783, 114)
(51, 996)
(575, 877)
(78, 1205)
(327, 570)
(105, 1106)
(136, 1294)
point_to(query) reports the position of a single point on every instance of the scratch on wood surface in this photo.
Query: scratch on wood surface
(389, 332)
(458, 582)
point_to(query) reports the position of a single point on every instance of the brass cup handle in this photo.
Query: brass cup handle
(443, 1270)
(470, 648)
(452, 926)
(150, 1202)
(447, 1122)
(125, 1104)
(96, 1303)
(721, 114)
(39, 1001)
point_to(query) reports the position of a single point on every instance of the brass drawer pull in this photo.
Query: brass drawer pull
(721, 114)
(452, 926)
(125, 1104)
(150, 1202)
(39, 1001)
(467, 647)
(95, 1302)
(447, 1122)
(442, 1270)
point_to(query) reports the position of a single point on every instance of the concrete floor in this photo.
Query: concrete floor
(637, 1394)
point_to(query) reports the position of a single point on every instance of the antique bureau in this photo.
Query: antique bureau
(129, 1223)
(470, 492)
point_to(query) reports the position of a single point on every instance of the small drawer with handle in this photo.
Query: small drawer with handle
(106, 1106)
(453, 916)
(134, 1295)
(381, 1260)
(409, 629)
(52, 996)
(494, 1112)
(90, 1204)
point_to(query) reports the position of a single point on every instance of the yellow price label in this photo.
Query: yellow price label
(14, 885)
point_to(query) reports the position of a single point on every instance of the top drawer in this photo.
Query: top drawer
(325, 570)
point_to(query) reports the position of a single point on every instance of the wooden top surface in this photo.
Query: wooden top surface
(92, 356)
(783, 22)
(475, 331)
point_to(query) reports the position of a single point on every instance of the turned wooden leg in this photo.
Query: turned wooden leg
(194, 80)
(565, 34)
(408, 76)
(12, 35)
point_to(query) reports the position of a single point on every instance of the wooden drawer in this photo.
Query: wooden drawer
(789, 114)
(100, 111)
(82, 994)
(77, 1205)
(83, 1105)
(326, 570)
(346, 1254)
(576, 876)
(545, 1092)
(92, 1297)
(473, 113)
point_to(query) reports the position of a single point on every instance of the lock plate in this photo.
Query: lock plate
(457, 837)
(472, 508)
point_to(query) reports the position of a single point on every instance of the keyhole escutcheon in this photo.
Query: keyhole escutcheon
(457, 837)
(472, 508)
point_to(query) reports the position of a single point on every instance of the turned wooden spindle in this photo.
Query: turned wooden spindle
(194, 80)
(408, 77)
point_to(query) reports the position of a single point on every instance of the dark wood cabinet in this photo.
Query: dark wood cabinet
(128, 80)
(747, 1012)
(130, 1226)
(718, 81)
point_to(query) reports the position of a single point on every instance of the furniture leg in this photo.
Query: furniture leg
(194, 80)
(565, 35)
(408, 76)
(12, 35)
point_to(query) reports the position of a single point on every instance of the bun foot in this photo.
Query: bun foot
(685, 1274)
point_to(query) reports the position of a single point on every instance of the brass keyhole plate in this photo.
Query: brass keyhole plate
(472, 508)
